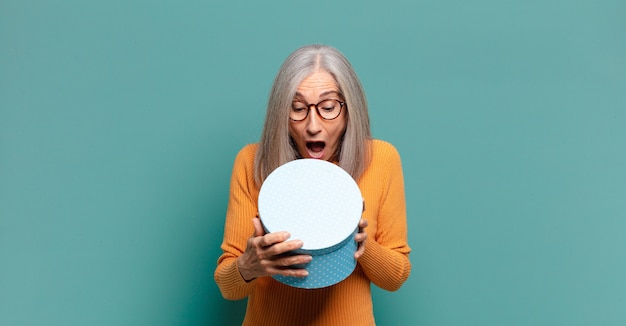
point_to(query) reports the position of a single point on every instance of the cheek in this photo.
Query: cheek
(294, 132)
(339, 130)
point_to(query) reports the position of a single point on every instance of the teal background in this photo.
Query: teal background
(120, 120)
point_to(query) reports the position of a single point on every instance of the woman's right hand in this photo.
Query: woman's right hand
(265, 255)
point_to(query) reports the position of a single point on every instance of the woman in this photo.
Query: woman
(317, 109)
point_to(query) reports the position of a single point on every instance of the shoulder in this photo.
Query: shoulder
(246, 155)
(248, 151)
(383, 150)
(385, 157)
(385, 164)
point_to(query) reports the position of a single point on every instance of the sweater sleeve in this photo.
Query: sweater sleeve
(386, 257)
(238, 227)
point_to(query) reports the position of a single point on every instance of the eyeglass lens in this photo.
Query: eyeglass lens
(327, 109)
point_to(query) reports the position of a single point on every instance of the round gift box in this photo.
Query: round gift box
(319, 203)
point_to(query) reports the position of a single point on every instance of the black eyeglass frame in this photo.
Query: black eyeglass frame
(317, 109)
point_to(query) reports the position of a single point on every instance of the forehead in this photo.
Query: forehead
(317, 83)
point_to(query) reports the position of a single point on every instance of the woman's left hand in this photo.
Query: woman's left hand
(360, 238)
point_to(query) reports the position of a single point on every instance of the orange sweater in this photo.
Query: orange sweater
(385, 261)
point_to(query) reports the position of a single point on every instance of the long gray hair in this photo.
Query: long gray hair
(276, 147)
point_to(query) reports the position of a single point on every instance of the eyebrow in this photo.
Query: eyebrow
(298, 94)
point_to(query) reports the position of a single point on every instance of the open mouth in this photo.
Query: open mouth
(316, 148)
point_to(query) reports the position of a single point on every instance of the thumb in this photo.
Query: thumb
(258, 227)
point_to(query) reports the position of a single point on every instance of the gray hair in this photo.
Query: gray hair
(276, 146)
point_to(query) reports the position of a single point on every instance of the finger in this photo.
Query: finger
(361, 248)
(293, 261)
(258, 227)
(282, 248)
(363, 223)
(293, 272)
(360, 251)
(273, 238)
(360, 237)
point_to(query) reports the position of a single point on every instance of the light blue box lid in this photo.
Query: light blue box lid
(319, 203)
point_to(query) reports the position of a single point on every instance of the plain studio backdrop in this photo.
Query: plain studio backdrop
(120, 120)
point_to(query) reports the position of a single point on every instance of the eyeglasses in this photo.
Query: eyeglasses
(327, 109)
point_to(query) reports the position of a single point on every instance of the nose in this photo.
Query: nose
(313, 122)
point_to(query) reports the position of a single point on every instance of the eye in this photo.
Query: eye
(328, 106)
(298, 107)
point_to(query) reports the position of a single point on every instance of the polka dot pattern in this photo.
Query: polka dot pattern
(320, 204)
